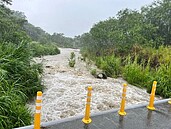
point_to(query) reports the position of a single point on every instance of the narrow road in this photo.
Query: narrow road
(65, 92)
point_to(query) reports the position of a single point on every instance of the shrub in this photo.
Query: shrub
(93, 72)
(136, 74)
(12, 106)
(39, 49)
(99, 61)
(111, 65)
(72, 59)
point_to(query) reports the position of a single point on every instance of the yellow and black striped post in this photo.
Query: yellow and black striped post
(122, 108)
(87, 118)
(151, 103)
(37, 115)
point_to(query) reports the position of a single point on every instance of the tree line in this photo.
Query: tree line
(149, 27)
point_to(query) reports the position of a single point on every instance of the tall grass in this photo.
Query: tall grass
(136, 74)
(163, 76)
(13, 112)
(111, 65)
(15, 60)
(19, 81)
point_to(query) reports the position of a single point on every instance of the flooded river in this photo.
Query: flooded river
(65, 92)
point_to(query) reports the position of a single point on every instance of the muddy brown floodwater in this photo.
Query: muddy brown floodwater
(65, 92)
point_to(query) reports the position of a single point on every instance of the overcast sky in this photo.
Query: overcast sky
(72, 17)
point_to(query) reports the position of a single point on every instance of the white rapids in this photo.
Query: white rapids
(65, 92)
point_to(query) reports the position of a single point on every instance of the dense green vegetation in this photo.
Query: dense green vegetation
(38, 49)
(20, 76)
(19, 81)
(62, 41)
(134, 45)
(39, 35)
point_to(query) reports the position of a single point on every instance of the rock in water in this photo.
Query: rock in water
(101, 76)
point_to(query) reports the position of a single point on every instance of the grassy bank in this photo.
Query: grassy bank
(140, 68)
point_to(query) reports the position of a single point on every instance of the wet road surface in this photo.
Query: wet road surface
(136, 118)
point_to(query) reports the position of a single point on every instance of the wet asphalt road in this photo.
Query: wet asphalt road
(138, 118)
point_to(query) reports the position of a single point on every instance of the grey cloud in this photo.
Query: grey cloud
(72, 17)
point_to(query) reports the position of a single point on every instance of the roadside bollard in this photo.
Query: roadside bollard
(122, 108)
(151, 103)
(87, 118)
(37, 115)
(169, 101)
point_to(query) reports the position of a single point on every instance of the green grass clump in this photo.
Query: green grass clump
(163, 77)
(39, 49)
(136, 74)
(15, 60)
(72, 59)
(12, 107)
(111, 65)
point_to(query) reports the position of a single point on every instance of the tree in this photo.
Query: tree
(11, 26)
(6, 2)
(158, 14)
